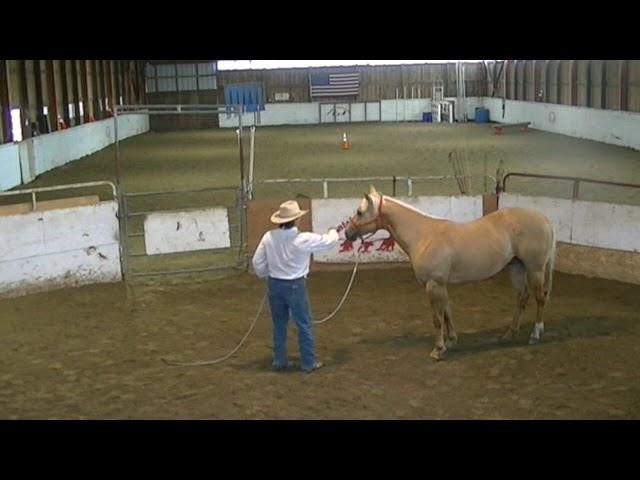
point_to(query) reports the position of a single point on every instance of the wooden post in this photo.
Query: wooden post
(24, 101)
(76, 92)
(5, 107)
(574, 82)
(84, 85)
(110, 93)
(42, 124)
(52, 104)
(66, 109)
(624, 85)
(95, 83)
(589, 83)
(603, 86)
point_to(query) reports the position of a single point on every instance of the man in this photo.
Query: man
(283, 257)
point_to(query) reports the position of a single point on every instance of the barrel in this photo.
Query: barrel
(482, 115)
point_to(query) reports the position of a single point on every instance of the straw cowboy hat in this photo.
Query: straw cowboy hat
(288, 212)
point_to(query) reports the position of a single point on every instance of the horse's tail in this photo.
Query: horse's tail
(548, 270)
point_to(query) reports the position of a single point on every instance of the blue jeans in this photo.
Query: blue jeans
(291, 296)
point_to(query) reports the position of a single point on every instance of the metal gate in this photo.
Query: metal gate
(169, 233)
(181, 232)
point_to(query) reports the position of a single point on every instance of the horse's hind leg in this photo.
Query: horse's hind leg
(450, 333)
(518, 275)
(439, 299)
(536, 284)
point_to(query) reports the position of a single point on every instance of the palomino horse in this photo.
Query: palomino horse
(443, 252)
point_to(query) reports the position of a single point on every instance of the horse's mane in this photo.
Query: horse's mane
(411, 207)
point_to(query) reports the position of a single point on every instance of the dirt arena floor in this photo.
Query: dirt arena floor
(94, 353)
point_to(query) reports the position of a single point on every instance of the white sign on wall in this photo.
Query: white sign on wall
(203, 229)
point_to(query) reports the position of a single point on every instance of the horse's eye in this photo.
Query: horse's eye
(359, 213)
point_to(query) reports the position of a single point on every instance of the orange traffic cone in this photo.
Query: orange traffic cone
(345, 142)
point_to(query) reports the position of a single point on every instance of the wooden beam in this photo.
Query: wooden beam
(589, 83)
(24, 101)
(117, 72)
(516, 80)
(624, 85)
(126, 82)
(107, 74)
(95, 84)
(52, 104)
(496, 79)
(66, 109)
(547, 82)
(84, 86)
(40, 118)
(573, 67)
(76, 92)
(102, 79)
(5, 107)
(507, 79)
(536, 83)
(143, 91)
(445, 93)
(603, 86)
(558, 80)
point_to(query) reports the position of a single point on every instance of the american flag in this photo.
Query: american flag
(334, 84)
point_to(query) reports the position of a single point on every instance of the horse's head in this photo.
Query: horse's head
(366, 219)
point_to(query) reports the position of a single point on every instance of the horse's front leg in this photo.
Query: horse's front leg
(439, 300)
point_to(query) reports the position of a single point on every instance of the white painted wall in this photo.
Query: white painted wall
(9, 166)
(328, 213)
(40, 154)
(307, 113)
(59, 248)
(276, 114)
(593, 224)
(61, 147)
(202, 229)
(607, 126)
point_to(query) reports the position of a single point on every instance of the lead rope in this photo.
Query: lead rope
(255, 320)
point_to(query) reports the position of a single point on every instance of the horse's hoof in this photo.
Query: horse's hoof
(534, 340)
(451, 342)
(508, 337)
(438, 353)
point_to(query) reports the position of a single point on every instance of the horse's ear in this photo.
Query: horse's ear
(372, 189)
(368, 199)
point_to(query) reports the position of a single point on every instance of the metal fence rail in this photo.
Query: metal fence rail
(395, 179)
(35, 191)
(576, 181)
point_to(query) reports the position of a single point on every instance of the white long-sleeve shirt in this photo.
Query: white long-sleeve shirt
(285, 253)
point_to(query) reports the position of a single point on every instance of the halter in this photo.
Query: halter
(357, 224)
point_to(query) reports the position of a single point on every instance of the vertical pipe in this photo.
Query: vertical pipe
(251, 158)
(396, 105)
(404, 103)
